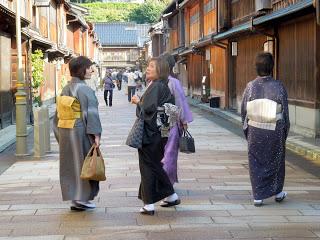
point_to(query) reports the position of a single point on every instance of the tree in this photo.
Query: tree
(109, 12)
(37, 63)
(149, 12)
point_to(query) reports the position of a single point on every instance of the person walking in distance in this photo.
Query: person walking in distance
(131, 85)
(265, 118)
(119, 80)
(108, 89)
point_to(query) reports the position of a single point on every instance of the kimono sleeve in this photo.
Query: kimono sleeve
(150, 101)
(180, 98)
(93, 124)
(285, 110)
(244, 120)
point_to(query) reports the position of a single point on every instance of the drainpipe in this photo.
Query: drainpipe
(316, 4)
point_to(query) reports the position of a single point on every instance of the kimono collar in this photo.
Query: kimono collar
(77, 80)
(265, 78)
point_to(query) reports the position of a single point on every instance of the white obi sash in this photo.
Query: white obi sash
(263, 113)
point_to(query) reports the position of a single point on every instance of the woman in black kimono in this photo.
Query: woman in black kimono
(265, 119)
(155, 184)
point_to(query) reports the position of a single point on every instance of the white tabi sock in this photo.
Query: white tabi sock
(149, 207)
(281, 194)
(172, 197)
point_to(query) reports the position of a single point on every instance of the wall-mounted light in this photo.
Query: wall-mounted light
(268, 45)
(208, 57)
(234, 48)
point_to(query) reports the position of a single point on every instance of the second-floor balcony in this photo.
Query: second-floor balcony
(278, 4)
(242, 10)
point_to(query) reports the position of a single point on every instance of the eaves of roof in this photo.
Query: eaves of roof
(185, 52)
(12, 15)
(171, 7)
(185, 3)
(204, 42)
(38, 39)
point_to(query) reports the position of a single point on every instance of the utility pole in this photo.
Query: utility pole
(21, 126)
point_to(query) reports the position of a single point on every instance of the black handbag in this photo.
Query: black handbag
(134, 138)
(186, 143)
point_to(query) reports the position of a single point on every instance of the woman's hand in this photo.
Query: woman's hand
(185, 126)
(97, 140)
(135, 99)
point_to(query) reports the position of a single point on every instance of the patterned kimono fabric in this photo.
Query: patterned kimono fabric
(74, 144)
(266, 148)
(155, 184)
(170, 158)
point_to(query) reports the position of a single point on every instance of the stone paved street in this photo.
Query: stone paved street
(214, 188)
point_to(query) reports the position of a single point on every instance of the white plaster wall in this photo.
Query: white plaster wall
(305, 121)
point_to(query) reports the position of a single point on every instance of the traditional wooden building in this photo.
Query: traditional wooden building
(8, 58)
(56, 27)
(222, 37)
(282, 28)
(121, 43)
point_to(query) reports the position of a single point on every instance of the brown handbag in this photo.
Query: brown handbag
(93, 167)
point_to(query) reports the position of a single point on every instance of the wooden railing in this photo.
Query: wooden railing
(242, 9)
(278, 4)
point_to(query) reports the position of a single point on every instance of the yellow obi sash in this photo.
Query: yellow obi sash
(69, 111)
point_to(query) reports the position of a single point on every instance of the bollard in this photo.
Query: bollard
(46, 125)
(39, 134)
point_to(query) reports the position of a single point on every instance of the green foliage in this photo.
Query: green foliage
(63, 82)
(37, 75)
(148, 12)
(109, 12)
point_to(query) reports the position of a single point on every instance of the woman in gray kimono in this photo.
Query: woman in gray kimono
(76, 139)
(266, 125)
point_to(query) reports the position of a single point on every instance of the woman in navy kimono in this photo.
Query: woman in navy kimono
(265, 119)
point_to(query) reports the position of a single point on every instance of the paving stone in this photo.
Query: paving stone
(249, 219)
(209, 207)
(188, 235)
(5, 233)
(17, 212)
(214, 188)
(304, 219)
(310, 212)
(271, 233)
(284, 226)
(264, 212)
(52, 237)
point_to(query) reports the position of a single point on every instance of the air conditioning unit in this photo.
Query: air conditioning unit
(262, 5)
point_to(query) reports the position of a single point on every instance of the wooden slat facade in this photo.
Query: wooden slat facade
(53, 22)
(243, 65)
(210, 17)
(241, 10)
(218, 73)
(173, 25)
(194, 23)
(297, 47)
(195, 70)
